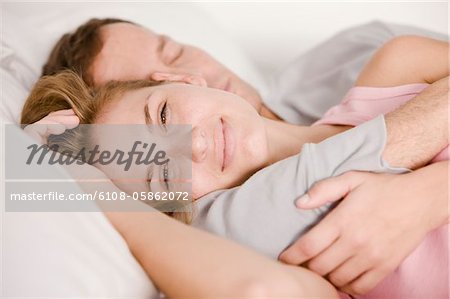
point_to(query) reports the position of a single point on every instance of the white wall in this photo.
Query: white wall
(273, 33)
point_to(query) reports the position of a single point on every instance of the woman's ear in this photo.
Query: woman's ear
(180, 77)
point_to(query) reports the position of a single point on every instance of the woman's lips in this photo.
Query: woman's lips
(219, 145)
(228, 144)
(224, 144)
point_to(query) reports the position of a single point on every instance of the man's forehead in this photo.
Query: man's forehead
(118, 31)
(125, 49)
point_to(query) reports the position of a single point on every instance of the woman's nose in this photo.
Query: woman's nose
(199, 145)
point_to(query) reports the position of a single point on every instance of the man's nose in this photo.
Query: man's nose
(199, 145)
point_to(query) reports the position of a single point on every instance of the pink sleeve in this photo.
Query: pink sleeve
(361, 104)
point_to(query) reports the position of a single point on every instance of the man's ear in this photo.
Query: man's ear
(180, 77)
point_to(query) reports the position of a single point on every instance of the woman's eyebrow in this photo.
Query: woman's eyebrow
(148, 119)
(149, 177)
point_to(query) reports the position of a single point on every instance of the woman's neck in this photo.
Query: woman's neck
(285, 140)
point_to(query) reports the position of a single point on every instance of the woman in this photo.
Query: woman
(217, 163)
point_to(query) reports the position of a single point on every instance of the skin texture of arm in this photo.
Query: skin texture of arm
(352, 255)
(406, 59)
(421, 125)
(186, 262)
(183, 261)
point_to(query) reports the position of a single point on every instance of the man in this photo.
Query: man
(112, 49)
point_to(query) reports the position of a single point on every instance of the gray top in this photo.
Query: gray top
(261, 213)
(318, 79)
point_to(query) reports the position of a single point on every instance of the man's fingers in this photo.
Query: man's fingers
(365, 283)
(310, 245)
(347, 272)
(331, 258)
(329, 190)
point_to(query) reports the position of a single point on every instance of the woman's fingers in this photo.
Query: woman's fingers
(55, 123)
(44, 128)
(63, 112)
(58, 124)
(67, 120)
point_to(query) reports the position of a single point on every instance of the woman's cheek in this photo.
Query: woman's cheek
(202, 181)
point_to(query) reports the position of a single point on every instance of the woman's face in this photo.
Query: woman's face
(229, 140)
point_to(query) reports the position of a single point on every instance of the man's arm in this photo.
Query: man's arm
(342, 249)
(405, 60)
(418, 130)
(381, 220)
(421, 125)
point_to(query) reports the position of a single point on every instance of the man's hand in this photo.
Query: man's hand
(382, 220)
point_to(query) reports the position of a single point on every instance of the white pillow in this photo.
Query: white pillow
(31, 29)
(60, 254)
(80, 254)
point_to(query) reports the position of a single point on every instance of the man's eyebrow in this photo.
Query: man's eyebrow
(161, 42)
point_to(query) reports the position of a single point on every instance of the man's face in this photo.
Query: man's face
(131, 52)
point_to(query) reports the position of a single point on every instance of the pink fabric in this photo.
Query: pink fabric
(364, 103)
(424, 273)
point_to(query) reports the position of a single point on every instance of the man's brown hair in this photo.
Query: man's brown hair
(76, 50)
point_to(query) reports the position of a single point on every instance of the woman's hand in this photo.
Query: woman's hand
(55, 123)
(381, 221)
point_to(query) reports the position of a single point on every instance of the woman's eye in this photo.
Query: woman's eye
(166, 175)
(163, 113)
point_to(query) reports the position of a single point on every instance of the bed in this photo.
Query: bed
(79, 254)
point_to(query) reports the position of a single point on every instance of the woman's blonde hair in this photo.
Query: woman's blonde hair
(67, 90)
